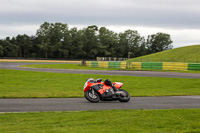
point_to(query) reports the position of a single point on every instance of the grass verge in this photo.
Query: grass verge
(30, 84)
(78, 66)
(112, 121)
(66, 66)
(187, 54)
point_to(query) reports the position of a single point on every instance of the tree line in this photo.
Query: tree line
(56, 40)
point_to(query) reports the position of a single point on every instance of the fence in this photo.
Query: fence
(111, 59)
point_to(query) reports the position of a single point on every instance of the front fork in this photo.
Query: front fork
(91, 94)
(92, 91)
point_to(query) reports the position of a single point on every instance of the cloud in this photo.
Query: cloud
(14, 30)
(168, 13)
(180, 16)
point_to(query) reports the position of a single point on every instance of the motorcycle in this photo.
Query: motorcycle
(96, 90)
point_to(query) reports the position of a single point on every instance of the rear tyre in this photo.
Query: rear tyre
(94, 98)
(124, 98)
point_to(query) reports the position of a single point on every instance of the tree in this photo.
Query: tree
(35, 50)
(90, 42)
(107, 42)
(23, 45)
(58, 33)
(9, 47)
(44, 35)
(51, 37)
(76, 45)
(143, 48)
(130, 42)
(1, 48)
(55, 40)
(159, 42)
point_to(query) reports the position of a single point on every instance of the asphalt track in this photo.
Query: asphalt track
(80, 104)
(15, 66)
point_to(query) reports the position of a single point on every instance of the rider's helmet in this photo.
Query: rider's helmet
(108, 82)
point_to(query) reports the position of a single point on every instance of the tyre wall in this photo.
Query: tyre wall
(146, 65)
(166, 66)
(105, 64)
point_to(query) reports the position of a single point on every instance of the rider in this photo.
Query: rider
(109, 83)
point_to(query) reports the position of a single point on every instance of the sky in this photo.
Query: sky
(179, 18)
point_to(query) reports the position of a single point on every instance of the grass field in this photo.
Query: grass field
(78, 66)
(110, 121)
(67, 66)
(188, 54)
(14, 83)
(27, 84)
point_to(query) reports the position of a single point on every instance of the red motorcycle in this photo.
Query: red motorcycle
(96, 90)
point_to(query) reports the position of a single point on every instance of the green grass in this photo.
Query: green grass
(110, 121)
(67, 66)
(188, 54)
(23, 84)
(78, 66)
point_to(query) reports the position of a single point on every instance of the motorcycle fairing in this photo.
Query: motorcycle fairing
(89, 85)
(105, 92)
(118, 84)
(97, 87)
(101, 88)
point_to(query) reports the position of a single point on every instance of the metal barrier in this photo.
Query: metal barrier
(111, 59)
(105, 64)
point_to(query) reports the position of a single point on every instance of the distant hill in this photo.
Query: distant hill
(188, 54)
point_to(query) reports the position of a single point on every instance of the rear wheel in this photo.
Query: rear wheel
(125, 97)
(92, 96)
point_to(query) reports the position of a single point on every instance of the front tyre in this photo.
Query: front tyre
(125, 97)
(92, 96)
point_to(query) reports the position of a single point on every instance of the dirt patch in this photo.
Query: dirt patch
(18, 60)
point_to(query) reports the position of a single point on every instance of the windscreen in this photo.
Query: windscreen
(87, 82)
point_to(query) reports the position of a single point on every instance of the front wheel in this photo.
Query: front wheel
(92, 96)
(125, 97)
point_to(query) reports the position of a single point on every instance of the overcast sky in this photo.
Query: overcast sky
(179, 18)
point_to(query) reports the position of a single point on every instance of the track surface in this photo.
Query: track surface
(78, 104)
(15, 66)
